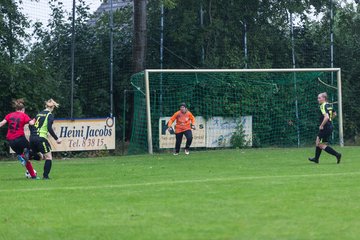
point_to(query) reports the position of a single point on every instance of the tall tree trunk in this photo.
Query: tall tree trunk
(139, 47)
(139, 52)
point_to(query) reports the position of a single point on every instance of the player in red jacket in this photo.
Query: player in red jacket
(16, 136)
(185, 122)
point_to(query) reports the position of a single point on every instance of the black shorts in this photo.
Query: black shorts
(325, 134)
(19, 144)
(39, 144)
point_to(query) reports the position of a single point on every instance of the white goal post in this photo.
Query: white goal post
(284, 70)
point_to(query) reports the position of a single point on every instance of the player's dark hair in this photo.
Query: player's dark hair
(18, 104)
(183, 104)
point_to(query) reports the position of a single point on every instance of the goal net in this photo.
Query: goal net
(234, 108)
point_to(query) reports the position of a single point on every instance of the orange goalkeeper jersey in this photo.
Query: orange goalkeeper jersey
(183, 121)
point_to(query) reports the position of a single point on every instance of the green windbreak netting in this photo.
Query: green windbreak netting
(264, 108)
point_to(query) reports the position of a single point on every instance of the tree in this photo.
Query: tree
(139, 52)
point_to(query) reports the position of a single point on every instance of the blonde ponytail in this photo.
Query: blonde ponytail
(324, 95)
(51, 103)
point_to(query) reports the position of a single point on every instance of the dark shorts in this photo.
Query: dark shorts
(325, 134)
(19, 144)
(39, 144)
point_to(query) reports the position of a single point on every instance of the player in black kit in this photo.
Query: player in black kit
(325, 130)
(39, 134)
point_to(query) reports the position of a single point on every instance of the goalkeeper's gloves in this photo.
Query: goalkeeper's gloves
(171, 130)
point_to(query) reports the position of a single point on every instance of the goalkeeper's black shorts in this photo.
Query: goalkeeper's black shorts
(325, 134)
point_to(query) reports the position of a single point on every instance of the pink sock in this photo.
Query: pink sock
(30, 169)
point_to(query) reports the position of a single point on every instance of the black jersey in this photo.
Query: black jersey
(43, 125)
(326, 108)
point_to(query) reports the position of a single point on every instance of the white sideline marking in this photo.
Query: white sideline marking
(177, 182)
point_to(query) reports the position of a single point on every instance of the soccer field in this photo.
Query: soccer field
(228, 194)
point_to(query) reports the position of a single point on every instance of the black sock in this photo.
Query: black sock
(47, 168)
(317, 153)
(331, 151)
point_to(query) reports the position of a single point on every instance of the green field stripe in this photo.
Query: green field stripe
(206, 180)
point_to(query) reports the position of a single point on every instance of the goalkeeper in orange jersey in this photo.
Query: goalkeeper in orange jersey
(185, 122)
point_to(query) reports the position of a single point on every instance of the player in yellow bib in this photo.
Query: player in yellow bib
(325, 129)
(39, 134)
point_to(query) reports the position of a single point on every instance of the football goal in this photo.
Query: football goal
(234, 107)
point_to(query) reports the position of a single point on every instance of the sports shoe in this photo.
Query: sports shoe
(314, 160)
(187, 152)
(21, 159)
(175, 154)
(338, 158)
(46, 178)
(36, 178)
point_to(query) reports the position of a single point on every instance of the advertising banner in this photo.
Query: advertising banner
(219, 130)
(82, 134)
(167, 140)
(212, 133)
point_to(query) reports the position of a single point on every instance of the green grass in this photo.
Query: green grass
(230, 194)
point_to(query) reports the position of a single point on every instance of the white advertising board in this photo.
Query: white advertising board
(82, 134)
(167, 140)
(219, 130)
(212, 133)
